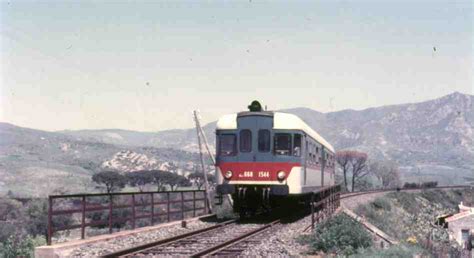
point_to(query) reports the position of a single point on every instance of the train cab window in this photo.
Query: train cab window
(282, 145)
(297, 145)
(227, 145)
(245, 141)
(263, 141)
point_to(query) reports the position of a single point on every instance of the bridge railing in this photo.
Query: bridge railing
(324, 203)
(121, 210)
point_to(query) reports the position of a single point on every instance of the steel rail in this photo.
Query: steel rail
(353, 194)
(139, 248)
(214, 249)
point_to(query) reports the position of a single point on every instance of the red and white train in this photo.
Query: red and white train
(265, 158)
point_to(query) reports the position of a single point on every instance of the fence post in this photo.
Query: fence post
(312, 211)
(110, 213)
(194, 203)
(206, 203)
(133, 211)
(168, 206)
(152, 210)
(50, 218)
(182, 205)
(83, 219)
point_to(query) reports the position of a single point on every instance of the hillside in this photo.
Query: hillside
(431, 140)
(37, 163)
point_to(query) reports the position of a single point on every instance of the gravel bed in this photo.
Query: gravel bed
(194, 244)
(119, 243)
(280, 241)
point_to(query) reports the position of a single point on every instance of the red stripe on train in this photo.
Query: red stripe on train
(251, 171)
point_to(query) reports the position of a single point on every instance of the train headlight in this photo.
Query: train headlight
(281, 175)
(228, 174)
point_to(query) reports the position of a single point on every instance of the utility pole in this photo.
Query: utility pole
(206, 184)
(206, 144)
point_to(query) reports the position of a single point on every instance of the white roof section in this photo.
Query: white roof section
(283, 121)
(292, 122)
(227, 122)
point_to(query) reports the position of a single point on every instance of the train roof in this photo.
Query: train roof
(280, 121)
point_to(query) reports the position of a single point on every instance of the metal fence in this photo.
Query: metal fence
(324, 203)
(121, 210)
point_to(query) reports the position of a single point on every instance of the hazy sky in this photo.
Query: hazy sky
(146, 66)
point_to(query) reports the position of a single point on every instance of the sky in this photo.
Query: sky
(145, 65)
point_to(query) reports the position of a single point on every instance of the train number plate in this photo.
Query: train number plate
(246, 174)
(250, 174)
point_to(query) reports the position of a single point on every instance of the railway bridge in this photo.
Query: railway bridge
(171, 223)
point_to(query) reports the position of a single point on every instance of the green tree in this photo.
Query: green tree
(159, 179)
(140, 179)
(183, 182)
(174, 181)
(112, 180)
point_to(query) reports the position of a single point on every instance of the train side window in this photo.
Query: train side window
(227, 145)
(263, 140)
(245, 141)
(282, 144)
(297, 145)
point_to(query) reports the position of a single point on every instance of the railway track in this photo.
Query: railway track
(229, 238)
(354, 194)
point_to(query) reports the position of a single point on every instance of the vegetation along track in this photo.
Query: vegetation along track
(359, 193)
(229, 238)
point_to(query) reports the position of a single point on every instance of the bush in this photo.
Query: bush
(36, 219)
(411, 185)
(429, 184)
(339, 234)
(393, 251)
(20, 246)
(406, 200)
(381, 204)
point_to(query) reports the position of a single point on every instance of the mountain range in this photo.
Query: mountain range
(431, 140)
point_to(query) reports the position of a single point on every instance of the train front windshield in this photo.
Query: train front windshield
(284, 144)
(227, 145)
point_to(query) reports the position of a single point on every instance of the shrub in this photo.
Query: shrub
(406, 200)
(339, 234)
(36, 220)
(411, 185)
(118, 215)
(381, 204)
(20, 246)
(393, 251)
(429, 184)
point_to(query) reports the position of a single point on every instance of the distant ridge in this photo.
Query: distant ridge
(430, 140)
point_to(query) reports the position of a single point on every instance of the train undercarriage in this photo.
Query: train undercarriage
(252, 199)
